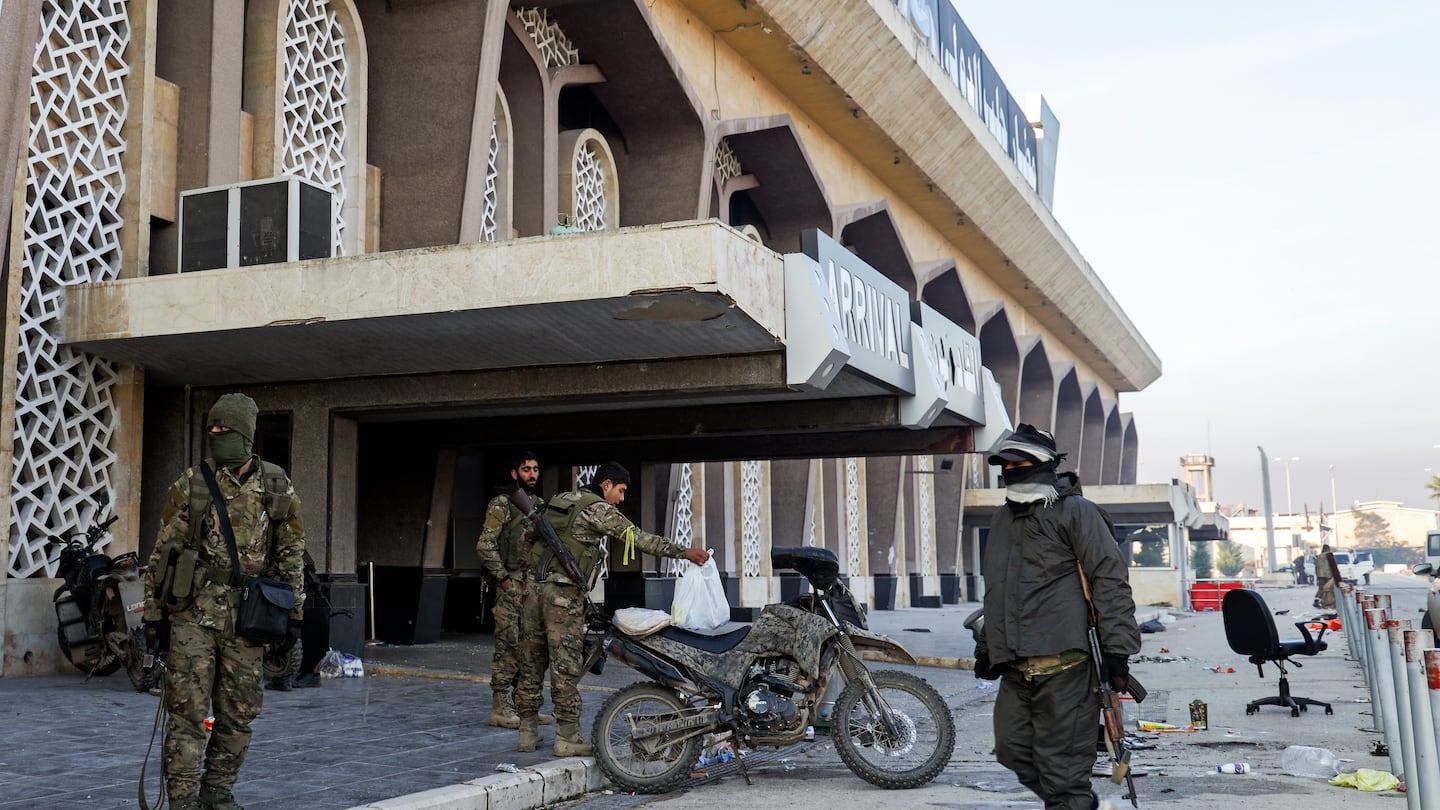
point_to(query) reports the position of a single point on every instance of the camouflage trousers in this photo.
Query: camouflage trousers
(208, 671)
(1325, 593)
(553, 637)
(505, 666)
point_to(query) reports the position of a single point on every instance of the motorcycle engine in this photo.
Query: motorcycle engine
(772, 699)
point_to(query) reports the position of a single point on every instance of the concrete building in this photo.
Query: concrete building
(789, 261)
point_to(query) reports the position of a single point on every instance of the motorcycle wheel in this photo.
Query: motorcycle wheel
(912, 757)
(633, 770)
(106, 664)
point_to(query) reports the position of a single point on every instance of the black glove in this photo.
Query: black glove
(982, 667)
(157, 637)
(1116, 668)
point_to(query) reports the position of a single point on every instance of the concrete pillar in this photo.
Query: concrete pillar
(338, 553)
(139, 159)
(750, 506)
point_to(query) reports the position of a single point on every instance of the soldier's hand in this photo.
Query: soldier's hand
(157, 637)
(699, 556)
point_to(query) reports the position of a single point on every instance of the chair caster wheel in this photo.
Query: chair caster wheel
(1329, 710)
(1250, 710)
(1294, 712)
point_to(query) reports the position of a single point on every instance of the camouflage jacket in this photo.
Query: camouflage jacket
(213, 605)
(598, 521)
(499, 517)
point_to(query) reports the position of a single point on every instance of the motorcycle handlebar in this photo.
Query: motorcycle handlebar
(108, 523)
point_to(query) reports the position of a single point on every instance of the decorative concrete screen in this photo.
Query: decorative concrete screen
(65, 414)
(490, 210)
(751, 490)
(554, 46)
(317, 88)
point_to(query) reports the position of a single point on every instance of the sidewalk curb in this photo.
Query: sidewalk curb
(541, 786)
(396, 671)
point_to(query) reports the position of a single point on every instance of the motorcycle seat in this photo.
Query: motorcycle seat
(700, 641)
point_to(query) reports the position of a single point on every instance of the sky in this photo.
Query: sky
(1256, 185)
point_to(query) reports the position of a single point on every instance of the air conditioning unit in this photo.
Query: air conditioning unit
(278, 219)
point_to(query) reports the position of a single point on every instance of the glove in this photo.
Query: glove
(157, 637)
(1116, 668)
(982, 667)
(280, 650)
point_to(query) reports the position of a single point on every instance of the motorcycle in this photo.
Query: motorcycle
(100, 607)
(797, 667)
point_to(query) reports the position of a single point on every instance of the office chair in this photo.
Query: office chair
(1250, 630)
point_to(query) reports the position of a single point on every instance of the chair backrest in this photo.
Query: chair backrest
(1249, 627)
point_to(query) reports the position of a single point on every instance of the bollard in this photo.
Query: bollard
(1383, 694)
(1422, 719)
(1432, 684)
(1395, 648)
(1347, 617)
(1364, 602)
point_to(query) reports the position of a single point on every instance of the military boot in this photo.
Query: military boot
(212, 798)
(185, 804)
(502, 711)
(529, 734)
(569, 743)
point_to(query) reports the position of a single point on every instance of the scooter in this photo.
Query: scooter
(100, 608)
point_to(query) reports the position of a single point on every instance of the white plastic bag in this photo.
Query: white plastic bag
(634, 621)
(700, 602)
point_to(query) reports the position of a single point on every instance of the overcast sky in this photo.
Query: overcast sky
(1256, 183)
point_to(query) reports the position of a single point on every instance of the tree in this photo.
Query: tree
(1229, 558)
(1433, 485)
(1200, 560)
(1372, 530)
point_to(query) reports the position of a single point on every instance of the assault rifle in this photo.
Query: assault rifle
(554, 547)
(1110, 702)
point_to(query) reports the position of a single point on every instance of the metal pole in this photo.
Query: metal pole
(1395, 644)
(1422, 719)
(1383, 688)
(1269, 517)
(1289, 501)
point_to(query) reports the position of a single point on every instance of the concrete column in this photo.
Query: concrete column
(338, 554)
(140, 127)
(201, 52)
(19, 30)
(129, 447)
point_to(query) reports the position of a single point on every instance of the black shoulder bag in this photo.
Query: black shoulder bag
(265, 604)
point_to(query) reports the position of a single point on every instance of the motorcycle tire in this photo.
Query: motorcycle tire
(631, 770)
(907, 760)
(106, 664)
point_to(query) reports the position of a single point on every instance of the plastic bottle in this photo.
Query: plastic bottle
(1303, 760)
(1234, 767)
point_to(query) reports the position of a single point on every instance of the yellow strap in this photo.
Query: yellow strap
(629, 553)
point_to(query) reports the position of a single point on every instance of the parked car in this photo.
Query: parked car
(1354, 565)
(1431, 568)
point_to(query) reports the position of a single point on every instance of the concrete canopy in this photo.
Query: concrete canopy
(782, 184)
(680, 338)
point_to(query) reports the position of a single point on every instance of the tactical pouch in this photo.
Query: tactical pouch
(179, 587)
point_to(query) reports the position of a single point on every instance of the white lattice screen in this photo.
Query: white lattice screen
(683, 531)
(591, 203)
(852, 516)
(554, 46)
(490, 211)
(727, 163)
(751, 475)
(65, 415)
(925, 482)
(317, 79)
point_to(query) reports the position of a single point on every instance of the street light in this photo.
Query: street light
(1289, 504)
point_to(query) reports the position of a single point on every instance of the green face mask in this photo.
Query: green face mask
(229, 449)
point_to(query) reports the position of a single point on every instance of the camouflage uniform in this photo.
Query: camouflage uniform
(554, 620)
(210, 668)
(502, 551)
